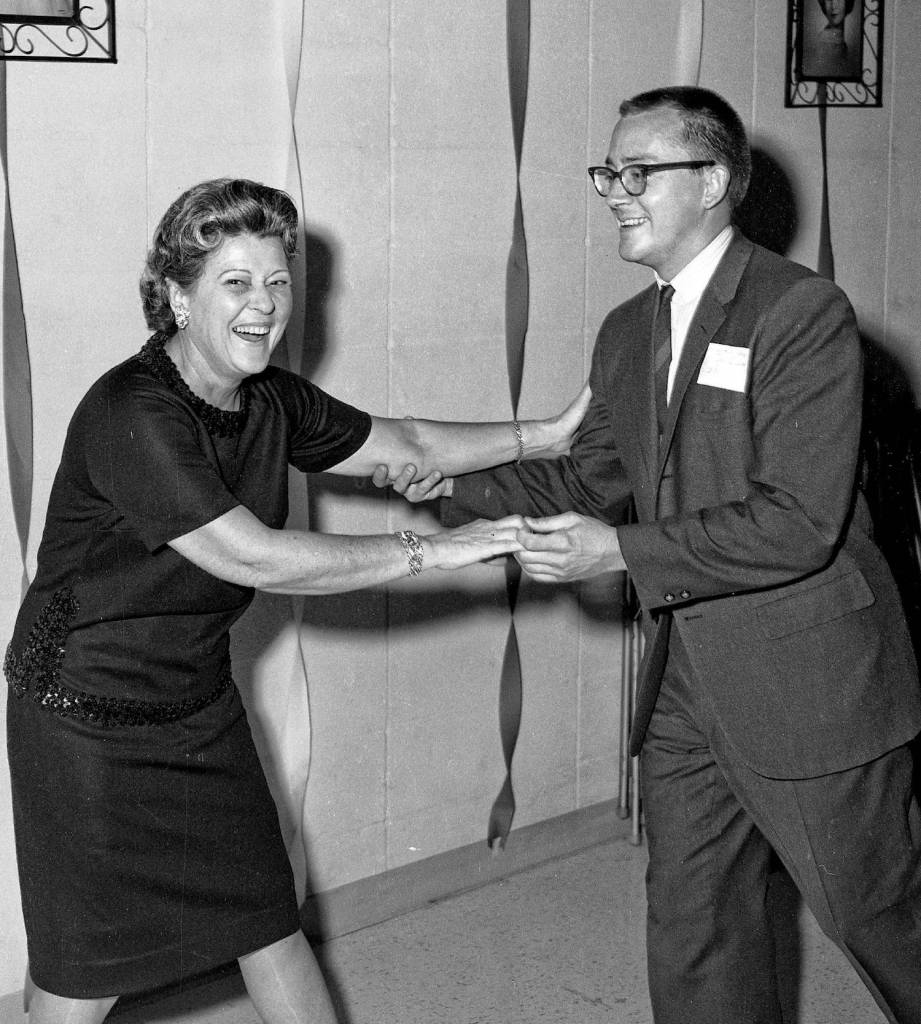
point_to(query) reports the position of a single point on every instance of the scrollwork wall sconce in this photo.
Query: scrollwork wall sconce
(82, 30)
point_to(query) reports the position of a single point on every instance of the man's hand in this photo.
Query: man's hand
(427, 489)
(559, 549)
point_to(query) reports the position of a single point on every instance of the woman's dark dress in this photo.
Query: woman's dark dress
(147, 842)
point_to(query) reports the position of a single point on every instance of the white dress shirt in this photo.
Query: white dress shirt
(689, 284)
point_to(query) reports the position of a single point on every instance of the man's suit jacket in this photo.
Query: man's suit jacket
(750, 528)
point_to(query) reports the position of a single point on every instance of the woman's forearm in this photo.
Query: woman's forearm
(240, 549)
(455, 448)
(321, 563)
(237, 547)
(452, 448)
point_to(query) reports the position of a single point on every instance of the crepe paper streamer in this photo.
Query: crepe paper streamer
(689, 43)
(518, 45)
(825, 263)
(510, 703)
(292, 40)
(299, 738)
(17, 372)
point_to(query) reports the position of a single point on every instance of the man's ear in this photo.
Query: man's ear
(716, 185)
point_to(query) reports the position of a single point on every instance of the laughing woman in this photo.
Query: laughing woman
(147, 841)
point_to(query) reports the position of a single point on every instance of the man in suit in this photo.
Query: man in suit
(778, 691)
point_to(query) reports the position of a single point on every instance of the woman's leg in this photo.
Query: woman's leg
(285, 983)
(45, 1008)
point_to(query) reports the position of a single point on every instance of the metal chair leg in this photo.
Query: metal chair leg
(626, 713)
(636, 645)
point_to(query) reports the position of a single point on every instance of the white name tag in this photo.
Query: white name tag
(725, 366)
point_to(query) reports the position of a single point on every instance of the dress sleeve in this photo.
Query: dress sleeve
(325, 430)
(148, 461)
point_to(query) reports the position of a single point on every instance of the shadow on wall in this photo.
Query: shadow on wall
(891, 473)
(313, 278)
(319, 265)
(891, 444)
(890, 477)
(768, 214)
(890, 468)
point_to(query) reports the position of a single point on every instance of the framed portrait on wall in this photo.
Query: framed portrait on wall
(81, 30)
(834, 53)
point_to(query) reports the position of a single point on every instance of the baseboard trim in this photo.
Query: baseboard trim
(369, 901)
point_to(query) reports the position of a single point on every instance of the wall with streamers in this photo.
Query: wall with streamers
(389, 123)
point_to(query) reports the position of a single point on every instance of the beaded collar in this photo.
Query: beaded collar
(218, 422)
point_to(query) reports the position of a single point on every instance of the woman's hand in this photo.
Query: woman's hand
(562, 427)
(424, 489)
(474, 542)
(549, 438)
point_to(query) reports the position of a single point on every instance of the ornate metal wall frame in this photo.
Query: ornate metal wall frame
(820, 76)
(81, 30)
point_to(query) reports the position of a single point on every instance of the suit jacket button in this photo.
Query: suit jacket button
(684, 595)
(669, 597)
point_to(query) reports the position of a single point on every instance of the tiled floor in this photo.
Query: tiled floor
(561, 943)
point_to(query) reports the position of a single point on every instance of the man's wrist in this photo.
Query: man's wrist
(615, 556)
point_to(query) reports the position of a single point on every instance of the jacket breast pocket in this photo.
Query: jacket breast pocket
(708, 402)
(814, 606)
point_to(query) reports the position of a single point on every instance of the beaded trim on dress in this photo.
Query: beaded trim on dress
(36, 671)
(219, 422)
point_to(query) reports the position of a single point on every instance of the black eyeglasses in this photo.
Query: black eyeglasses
(633, 176)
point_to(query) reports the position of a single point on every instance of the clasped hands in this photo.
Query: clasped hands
(554, 549)
(567, 547)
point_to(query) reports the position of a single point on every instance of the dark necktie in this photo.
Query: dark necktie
(656, 654)
(662, 351)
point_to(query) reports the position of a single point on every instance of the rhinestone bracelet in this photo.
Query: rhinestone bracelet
(414, 550)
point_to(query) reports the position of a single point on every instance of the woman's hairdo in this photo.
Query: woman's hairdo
(711, 130)
(197, 224)
(848, 6)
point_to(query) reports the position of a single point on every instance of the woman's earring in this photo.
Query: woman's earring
(182, 317)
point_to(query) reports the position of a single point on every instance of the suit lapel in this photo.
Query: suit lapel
(708, 318)
(636, 396)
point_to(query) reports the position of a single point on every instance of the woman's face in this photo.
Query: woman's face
(835, 11)
(239, 307)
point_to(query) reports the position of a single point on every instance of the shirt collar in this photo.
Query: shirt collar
(689, 283)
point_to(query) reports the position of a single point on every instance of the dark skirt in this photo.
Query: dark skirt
(146, 853)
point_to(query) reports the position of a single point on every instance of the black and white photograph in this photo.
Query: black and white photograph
(460, 512)
(832, 39)
(37, 8)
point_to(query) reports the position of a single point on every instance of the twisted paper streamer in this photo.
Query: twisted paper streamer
(689, 43)
(269, 640)
(17, 374)
(825, 264)
(298, 717)
(518, 44)
(686, 71)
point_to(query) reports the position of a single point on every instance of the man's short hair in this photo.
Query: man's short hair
(712, 130)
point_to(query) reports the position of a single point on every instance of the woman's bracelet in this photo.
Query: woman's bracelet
(520, 437)
(412, 546)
